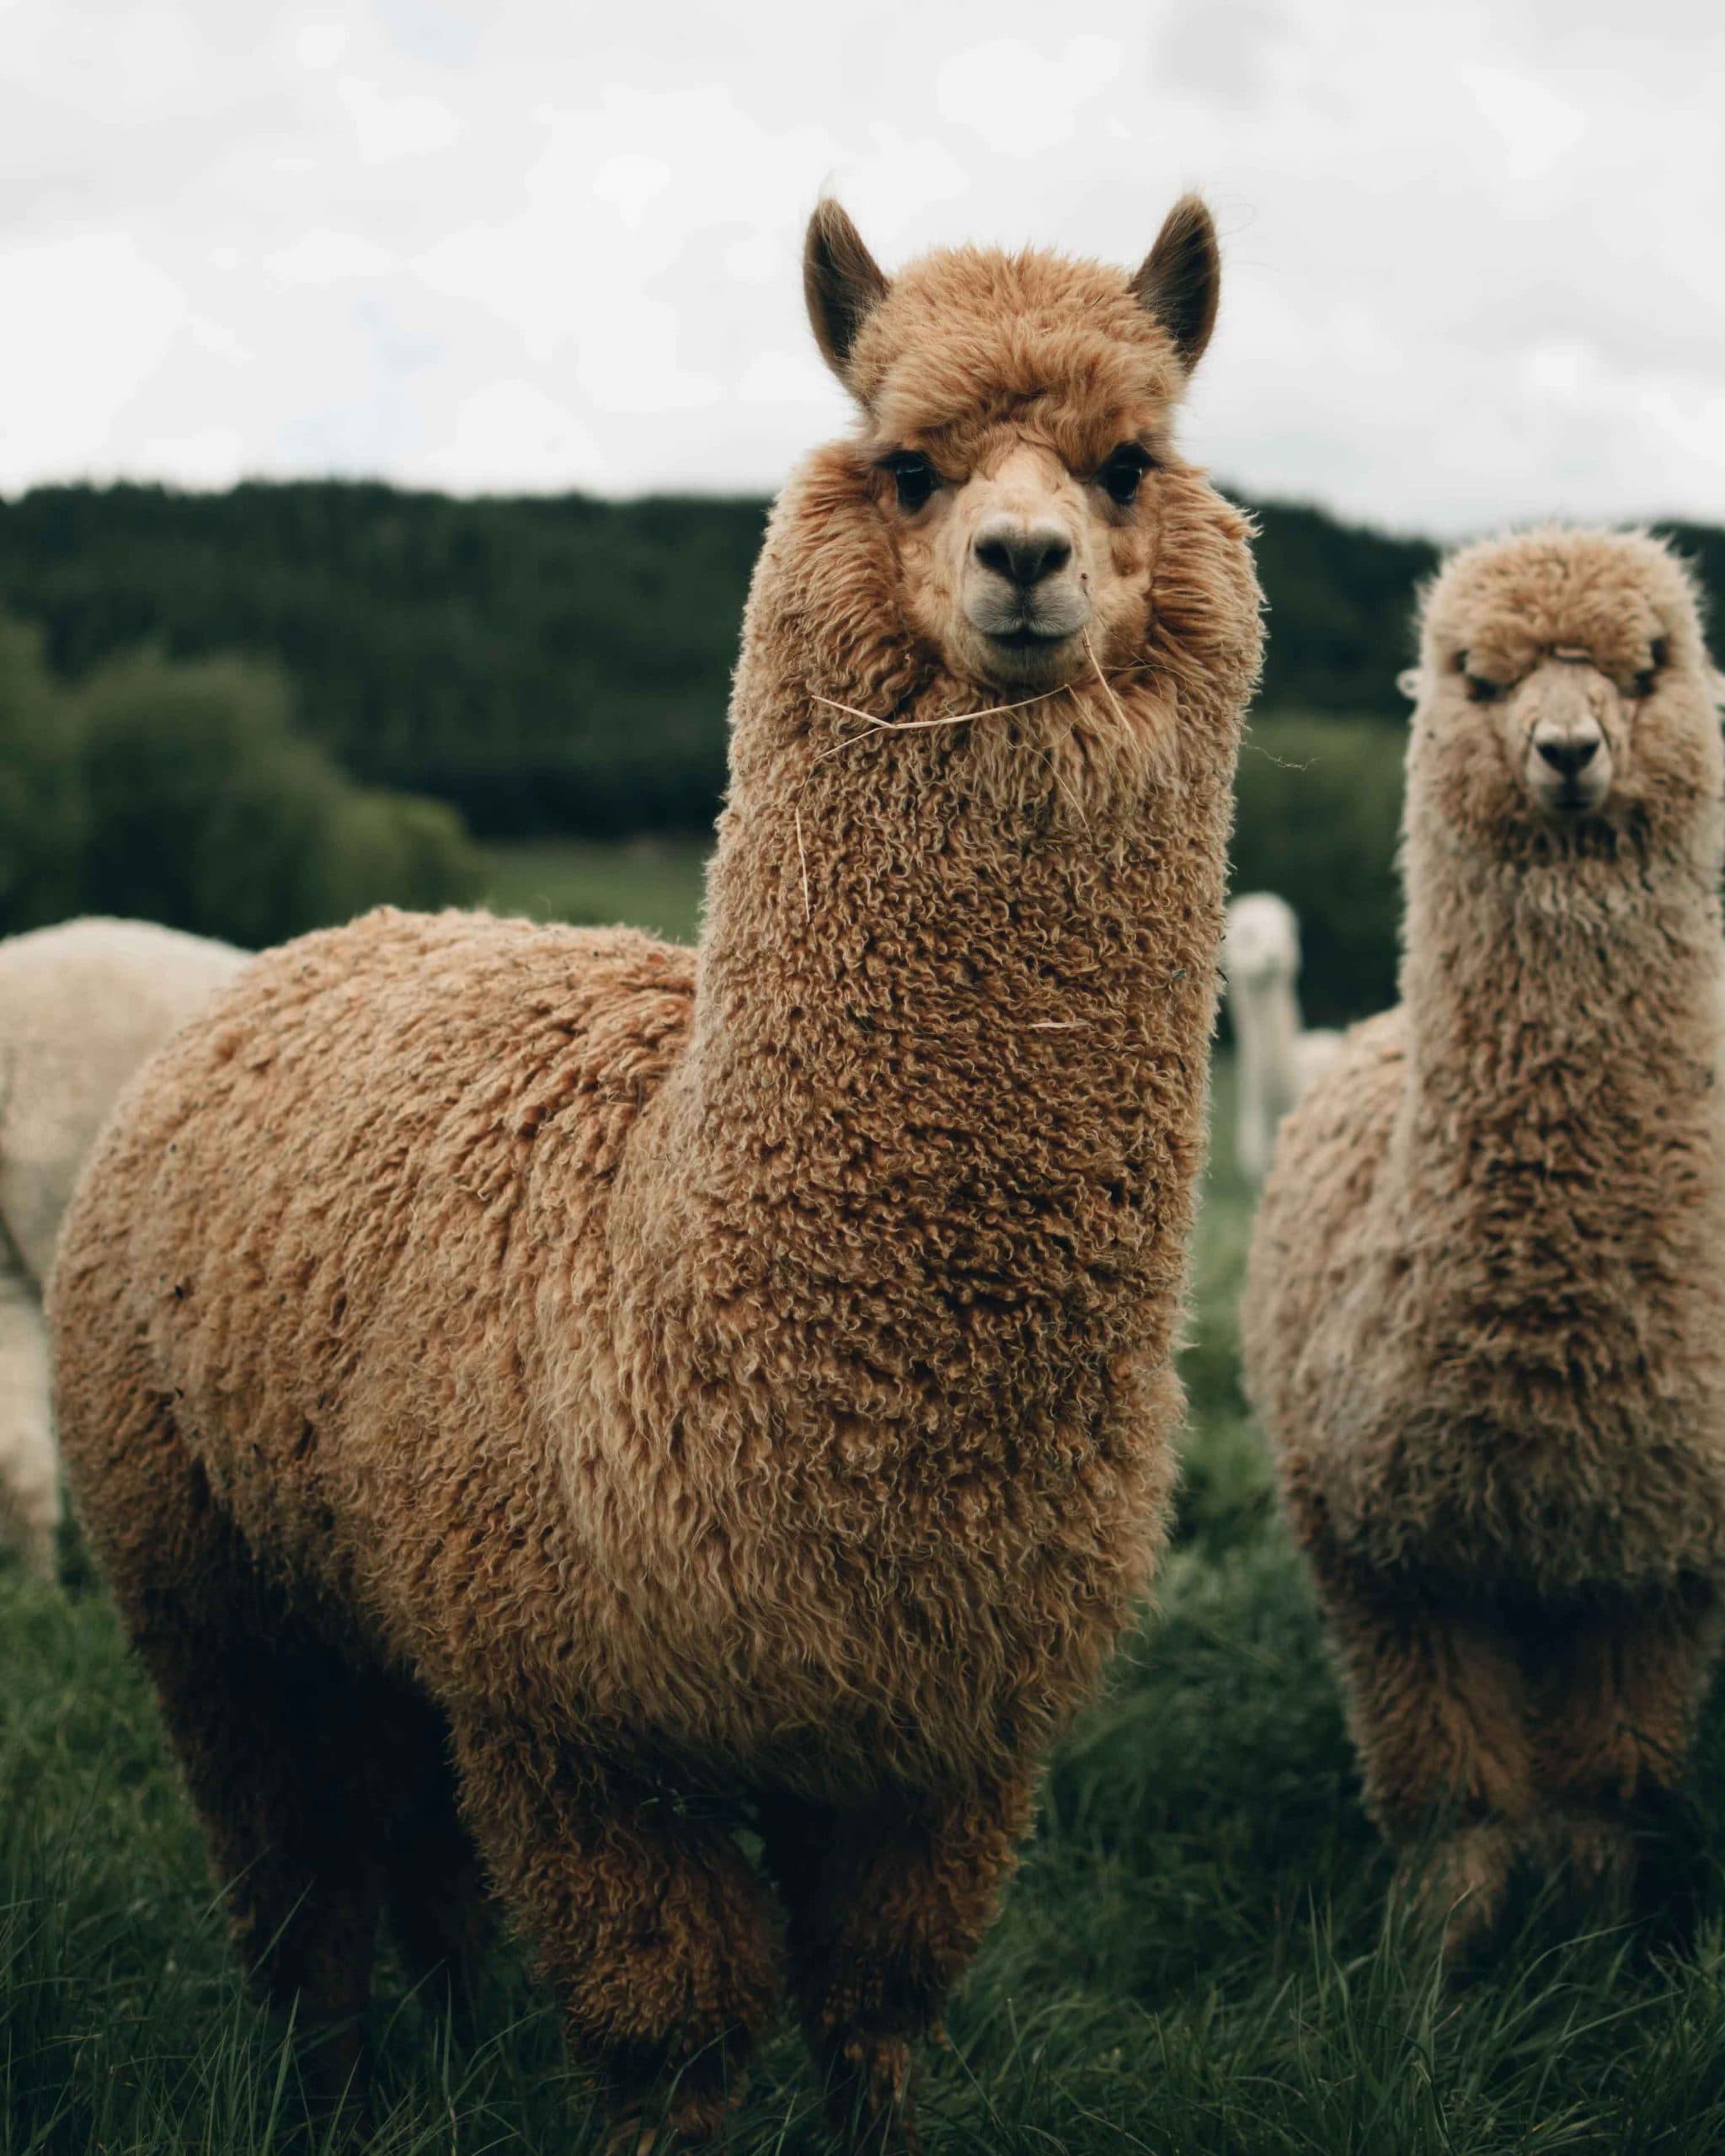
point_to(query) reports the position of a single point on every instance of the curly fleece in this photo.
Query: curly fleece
(696, 1385)
(82, 1005)
(1484, 1320)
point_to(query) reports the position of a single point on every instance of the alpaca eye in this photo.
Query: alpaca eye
(1122, 473)
(914, 475)
(1658, 651)
(1480, 690)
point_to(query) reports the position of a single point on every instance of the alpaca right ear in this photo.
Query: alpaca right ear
(841, 282)
(1180, 279)
(1407, 681)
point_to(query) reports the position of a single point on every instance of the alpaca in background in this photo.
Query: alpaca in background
(82, 1005)
(1484, 1321)
(1275, 1058)
(544, 1384)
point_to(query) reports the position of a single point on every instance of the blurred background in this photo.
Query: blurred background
(390, 395)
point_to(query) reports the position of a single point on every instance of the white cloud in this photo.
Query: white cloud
(1022, 99)
(1469, 245)
(322, 257)
(391, 125)
(1536, 127)
(510, 436)
(89, 322)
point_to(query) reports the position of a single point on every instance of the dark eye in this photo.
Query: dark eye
(1122, 473)
(1658, 651)
(1480, 690)
(914, 477)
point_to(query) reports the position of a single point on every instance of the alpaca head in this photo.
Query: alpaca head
(1261, 941)
(1015, 415)
(1564, 696)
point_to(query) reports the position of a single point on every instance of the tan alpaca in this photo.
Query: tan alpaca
(675, 1389)
(82, 1005)
(1485, 1308)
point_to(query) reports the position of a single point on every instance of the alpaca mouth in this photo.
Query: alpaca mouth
(1026, 637)
(1572, 799)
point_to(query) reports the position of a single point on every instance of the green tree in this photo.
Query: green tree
(1318, 808)
(209, 812)
(41, 789)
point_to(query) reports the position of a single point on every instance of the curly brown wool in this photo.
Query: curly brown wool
(542, 1392)
(1485, 1310)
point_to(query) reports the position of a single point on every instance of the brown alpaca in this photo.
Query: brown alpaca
(1485, 1307)
(546, 1386)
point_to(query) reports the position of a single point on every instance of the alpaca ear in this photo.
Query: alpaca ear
(1407, 681)
(841, 282)
(1181, 279)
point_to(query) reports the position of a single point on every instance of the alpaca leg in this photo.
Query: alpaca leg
(273, 1733)
(29, 1467)
(267, 1729)
(1439, 1717)
(887, 1906)
(1619, 1687)
(434, 1886)
(650, 1923)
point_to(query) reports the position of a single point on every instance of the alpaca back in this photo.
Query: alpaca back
(82, 1007)
(325, 1212)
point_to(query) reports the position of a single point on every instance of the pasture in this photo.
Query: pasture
(1194, 1958)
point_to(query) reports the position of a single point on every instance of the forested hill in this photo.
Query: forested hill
(556, 663)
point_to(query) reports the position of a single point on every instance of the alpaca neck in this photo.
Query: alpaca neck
(953, 1093)
(942, 1106)
(1265, 1019)
(1565, 1024)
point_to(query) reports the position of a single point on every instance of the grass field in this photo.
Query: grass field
(1192, 1958)
(652, 883)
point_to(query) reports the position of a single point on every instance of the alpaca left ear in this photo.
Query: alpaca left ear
(1181, 280)
(842, 283)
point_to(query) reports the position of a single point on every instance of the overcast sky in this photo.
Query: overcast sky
(1474, 268)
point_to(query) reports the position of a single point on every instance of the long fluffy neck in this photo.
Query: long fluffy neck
(944, 1105)
(1266, 1020)
(1566, 1023)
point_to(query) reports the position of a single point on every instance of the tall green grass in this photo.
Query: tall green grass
(1194, 1958)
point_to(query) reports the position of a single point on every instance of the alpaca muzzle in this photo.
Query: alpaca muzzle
(1562, 709)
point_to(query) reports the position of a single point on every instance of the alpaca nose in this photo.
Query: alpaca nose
(1569, 754)
(1023, 553)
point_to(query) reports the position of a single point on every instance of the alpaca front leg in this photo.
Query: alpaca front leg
(887, 1906)
(29, 1465)
(1619, 1685)
(656, 1933)
(1439, 1715)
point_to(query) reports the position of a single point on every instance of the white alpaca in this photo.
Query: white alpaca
(82, 1007)
(1277, 1059)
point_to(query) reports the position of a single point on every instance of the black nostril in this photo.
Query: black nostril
(1024, 558)
(1568, 757)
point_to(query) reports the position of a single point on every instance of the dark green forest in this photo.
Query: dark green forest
(298, 657)
(556, 665)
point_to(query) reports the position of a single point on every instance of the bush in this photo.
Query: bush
(41, 787)
(208, 812)
(1318, 811)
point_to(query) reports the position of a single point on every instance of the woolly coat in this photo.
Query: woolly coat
(757, 1363)
(1484, 1317)
(82, 1005)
